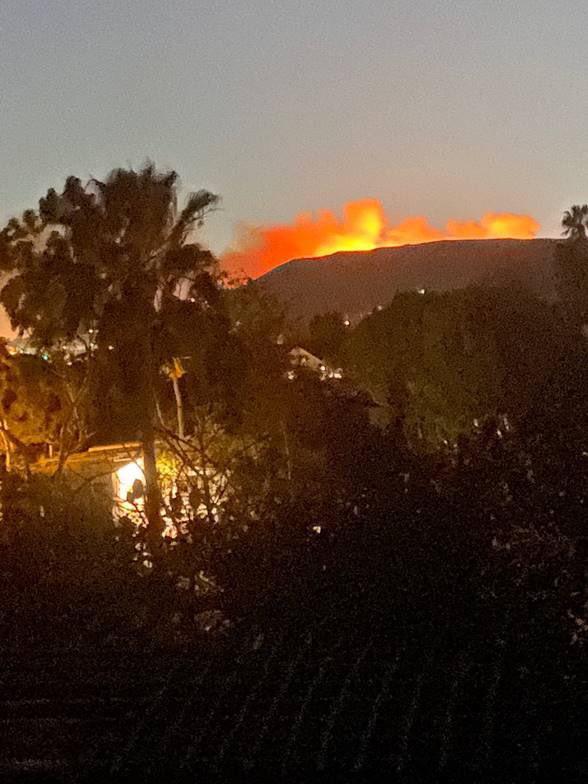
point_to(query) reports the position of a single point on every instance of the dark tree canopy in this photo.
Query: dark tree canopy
(327, 334)
(92, 246)
(104, 263)
(441, 361)
(574, 222)
(33, 401)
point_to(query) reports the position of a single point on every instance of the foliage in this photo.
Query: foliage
(574, 222)
(279, 493)
(111, 259)
(93, 252)
(36, 405)
(327, 333)
(443, 361)
(64, 563)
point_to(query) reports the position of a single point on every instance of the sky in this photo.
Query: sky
(436, 108)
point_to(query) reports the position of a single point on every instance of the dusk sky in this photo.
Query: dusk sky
(437, 108)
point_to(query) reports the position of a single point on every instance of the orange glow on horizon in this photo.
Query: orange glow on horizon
(364, 226)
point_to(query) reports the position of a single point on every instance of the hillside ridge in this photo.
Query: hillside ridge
(355, 282)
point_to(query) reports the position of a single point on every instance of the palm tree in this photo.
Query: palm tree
(109, 259)
(574, 222)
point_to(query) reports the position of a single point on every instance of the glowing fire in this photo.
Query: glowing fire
(364, 226)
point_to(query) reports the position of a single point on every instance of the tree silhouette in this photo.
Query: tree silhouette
(571, 265)
(327, 333)
(439, 362)
(102, 263)
(574, 222)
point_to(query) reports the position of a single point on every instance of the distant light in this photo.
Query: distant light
(347, 322)
(379, 307)
(290, 375)
(111, 348)
(422, 291)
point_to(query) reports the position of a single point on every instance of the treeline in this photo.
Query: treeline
(446, 468)
(440, 364)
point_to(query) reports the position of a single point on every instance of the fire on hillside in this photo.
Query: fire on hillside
(364, 226)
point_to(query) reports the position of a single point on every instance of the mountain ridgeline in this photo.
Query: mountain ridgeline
(355, 283)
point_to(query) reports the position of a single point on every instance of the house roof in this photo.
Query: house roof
(106, 454)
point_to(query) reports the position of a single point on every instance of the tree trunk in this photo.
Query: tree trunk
(155, 524)
(152, 495)
(7, 447)
(179, 405)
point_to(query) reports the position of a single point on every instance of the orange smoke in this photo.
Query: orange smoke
(364, 226)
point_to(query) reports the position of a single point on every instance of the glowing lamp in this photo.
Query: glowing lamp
(126, 476)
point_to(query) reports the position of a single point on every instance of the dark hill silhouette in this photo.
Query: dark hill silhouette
(356, 282)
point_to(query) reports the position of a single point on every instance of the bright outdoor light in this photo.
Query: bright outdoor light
(126, 475)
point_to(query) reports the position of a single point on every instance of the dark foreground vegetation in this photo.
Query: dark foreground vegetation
(379, 576)
(438, 633)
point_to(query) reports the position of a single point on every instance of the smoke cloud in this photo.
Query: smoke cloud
(364, 226)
